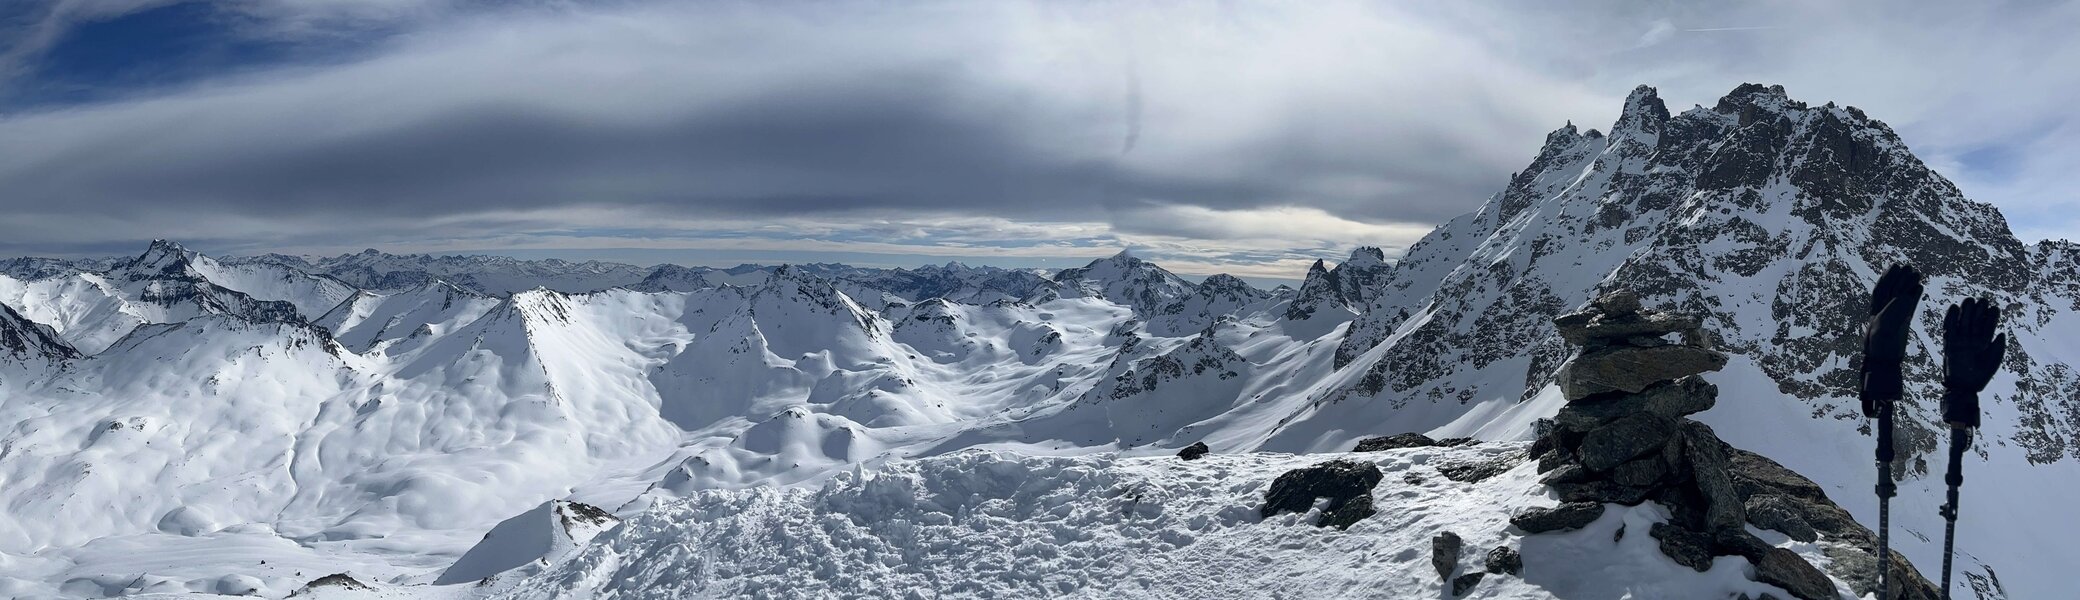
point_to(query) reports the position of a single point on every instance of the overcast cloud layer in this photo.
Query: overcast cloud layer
(1235, 136)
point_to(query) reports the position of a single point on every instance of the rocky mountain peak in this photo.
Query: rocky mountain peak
(163, 257)
(1644, 113)
(1365, 256)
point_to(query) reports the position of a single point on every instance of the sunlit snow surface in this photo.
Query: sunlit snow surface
(983, 524)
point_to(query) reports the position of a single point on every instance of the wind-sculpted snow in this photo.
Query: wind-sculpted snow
(994, 525)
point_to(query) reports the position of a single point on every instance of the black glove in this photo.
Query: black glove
(1885, 337)
(1971, 355)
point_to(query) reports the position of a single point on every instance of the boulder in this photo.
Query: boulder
(1194, 451)
(1391, 442)
(1686, 547)
(1505, 560)
(1625, 439)
(1347, 484)
(1686, 396)
(1633, 369)
(1444, 553)
(1778, 513)
(1783, 568)
(1565, 517)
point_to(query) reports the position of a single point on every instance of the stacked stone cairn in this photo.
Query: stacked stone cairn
(1623, 438)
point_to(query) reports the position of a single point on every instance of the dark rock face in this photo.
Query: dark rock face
(1444, 553)
(1392, 442)
(1624, 439)
(1565, 517)
(1505, 560)
(1783, 568)
(1774, 512)
(1194, 451)
(1465, 583)
(1347, 484)
(1688, 548)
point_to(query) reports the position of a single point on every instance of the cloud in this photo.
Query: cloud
(1224, 133)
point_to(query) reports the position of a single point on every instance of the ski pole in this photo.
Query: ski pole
(1885, 334)
(1971, 354)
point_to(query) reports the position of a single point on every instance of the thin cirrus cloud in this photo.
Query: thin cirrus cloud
(1242, 137)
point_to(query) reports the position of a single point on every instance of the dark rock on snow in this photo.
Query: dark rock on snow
(1783, 568)
(1194, 451)
(1444, 553)
(1391, 442)
(1505, 560)
(1347, 484)
(335, 580)
(1465, 583)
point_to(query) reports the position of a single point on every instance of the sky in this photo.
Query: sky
(1242, 137)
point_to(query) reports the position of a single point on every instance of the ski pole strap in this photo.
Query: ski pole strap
(1961, 408)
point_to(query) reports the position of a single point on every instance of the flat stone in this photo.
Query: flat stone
(1632, 369)
(1565, 517)
(1783, 568)
(1444, 553)
(1686, 396)
(1708, 467)
(1778, 513)
(1624, 439)
(1594, 328)
(1505, 560)
(1391, 442)
(1686, 547)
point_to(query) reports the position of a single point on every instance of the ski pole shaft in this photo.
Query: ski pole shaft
(1960, 439)
(1885, 491)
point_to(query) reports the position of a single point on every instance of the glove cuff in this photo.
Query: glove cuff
(1961, 408)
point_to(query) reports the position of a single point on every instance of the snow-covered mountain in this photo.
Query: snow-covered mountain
(173, 419)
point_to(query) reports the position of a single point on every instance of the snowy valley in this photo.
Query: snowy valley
(180, 423)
